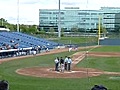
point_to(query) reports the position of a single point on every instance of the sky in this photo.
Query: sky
(28, 10)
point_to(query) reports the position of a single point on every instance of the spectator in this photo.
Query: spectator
(12, 41)
(58, 47)
(99, 87)
(39, 49)
(15, 46)
(47, 49)
(4, 85)
(0, 48)
(8, 47)
(33, 51)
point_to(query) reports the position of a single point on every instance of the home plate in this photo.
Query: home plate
(71, 71)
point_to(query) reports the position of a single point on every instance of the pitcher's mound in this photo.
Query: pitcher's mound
(51, 73)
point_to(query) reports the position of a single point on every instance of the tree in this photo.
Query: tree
(32, 29)
(3, 22)
(23, 28)
(52, 30)
(104, 31)
(62, 32)
(11, 27)
(74, 29)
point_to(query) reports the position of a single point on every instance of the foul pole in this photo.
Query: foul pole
(59, 24)
(99, 31)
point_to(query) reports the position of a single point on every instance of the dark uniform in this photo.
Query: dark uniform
(99, 87)
(4, 85)
(62, 64)
(66, 62)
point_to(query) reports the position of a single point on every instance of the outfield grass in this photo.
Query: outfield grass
(107, 49)
(106, 64)
(76, 40)
(19, 82)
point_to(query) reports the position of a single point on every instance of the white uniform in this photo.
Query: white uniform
(70, 49)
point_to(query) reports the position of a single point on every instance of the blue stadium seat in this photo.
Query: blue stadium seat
(25, 40)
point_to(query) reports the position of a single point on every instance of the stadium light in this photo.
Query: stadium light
(59, 24)
(18, 16)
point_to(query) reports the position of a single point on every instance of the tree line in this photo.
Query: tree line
(23, 27)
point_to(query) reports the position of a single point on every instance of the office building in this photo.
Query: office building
(83, 20)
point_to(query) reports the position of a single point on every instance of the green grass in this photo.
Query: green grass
(106, 64)
(108, 49)
(76, 40)
(19, 82)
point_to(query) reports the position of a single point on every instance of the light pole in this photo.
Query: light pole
(18, 16)
(59, 20)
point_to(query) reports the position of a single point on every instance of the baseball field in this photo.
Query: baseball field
(91, 65)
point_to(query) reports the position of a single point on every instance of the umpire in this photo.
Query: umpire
(66, 62)
(69, 63)
(56, 64)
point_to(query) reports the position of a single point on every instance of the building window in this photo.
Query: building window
(84, 23)
(58, 13)
(54, 18)
(83, 13)
(93, 13)
(94, 19)
(43, 17)
(85, 18)
(92, 23)
(62, 12)
(62, 18)
(62, 23)
(100, 13)
(45, 13)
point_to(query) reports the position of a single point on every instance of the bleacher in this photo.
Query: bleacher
(17, 43)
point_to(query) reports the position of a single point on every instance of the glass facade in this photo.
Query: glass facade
(81, 19)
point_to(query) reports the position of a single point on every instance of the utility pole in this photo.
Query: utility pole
(59, 22)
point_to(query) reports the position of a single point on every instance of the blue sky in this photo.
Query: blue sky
(29, 9)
